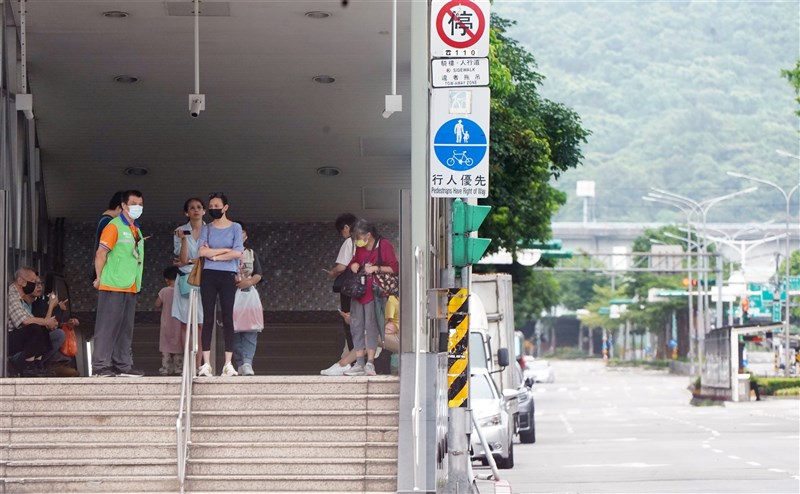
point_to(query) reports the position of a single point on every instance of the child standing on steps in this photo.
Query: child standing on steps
(170, 342)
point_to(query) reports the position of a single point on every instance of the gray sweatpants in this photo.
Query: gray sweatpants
(113, 331)
(363, 325)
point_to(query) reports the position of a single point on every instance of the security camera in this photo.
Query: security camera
(197, 103)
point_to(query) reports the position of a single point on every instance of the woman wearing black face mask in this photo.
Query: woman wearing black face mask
(221, 245)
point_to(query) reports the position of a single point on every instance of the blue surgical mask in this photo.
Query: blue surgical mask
(135, 211)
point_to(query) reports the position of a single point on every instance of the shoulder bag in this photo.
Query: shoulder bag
(387, 283)
(197, 272)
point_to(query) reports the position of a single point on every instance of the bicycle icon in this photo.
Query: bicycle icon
(461, 158)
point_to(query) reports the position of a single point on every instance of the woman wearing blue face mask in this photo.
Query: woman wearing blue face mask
(221, 244)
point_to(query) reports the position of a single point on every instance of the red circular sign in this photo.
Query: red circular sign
(460, 21)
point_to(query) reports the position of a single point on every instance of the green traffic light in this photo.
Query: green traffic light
(468, 218)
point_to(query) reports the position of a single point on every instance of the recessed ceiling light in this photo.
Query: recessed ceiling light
(324, 79)
(318, 14)
(126, 79)
(136, 171)
(115, 14)
(328, 171)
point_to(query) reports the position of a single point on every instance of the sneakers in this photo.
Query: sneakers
(369, 369)
(107, 372)
(355, 370)
(229, 371)
(335, 370)
(246, 370)
(132, 372)
(205, 371)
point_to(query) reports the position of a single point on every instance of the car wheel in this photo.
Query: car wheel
(529, 436)
(506, 463)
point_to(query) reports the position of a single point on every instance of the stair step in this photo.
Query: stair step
(279, 417)
(93, 484)
(268, 450)
(72, 468)
(99, 450)
(293, 483)
(89, 403)
(114, 435)
(297, 385)
(246, 467)
(295, 434)
(300, 404)
(68, 418)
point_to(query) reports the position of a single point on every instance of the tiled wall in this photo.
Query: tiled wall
(292, 257)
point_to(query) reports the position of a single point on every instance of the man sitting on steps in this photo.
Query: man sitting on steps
(29, 337)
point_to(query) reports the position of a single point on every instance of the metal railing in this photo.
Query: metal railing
(183, 424)
(415, 412)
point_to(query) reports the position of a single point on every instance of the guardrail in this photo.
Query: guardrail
(183, 424)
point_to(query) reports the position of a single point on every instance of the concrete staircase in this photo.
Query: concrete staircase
(259, 434)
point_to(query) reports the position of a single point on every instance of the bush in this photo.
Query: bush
(788, 391)
(770, 385)
(567, 353)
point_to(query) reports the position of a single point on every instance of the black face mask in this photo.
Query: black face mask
(29, 288)
(215, 213)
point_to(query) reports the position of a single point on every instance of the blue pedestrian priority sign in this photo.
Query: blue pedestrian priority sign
(460, 144)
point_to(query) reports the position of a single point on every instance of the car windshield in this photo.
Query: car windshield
(480, 389)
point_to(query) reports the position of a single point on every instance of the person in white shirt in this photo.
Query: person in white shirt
(344, 223)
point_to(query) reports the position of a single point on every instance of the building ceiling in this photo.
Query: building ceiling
(267, 127)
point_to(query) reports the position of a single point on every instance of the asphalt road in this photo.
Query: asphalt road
(609, 430)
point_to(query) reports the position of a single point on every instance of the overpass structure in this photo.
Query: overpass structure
(762, 261)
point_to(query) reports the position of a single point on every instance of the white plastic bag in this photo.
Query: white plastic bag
(248, 314)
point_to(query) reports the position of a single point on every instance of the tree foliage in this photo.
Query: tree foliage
(793, 76)
(533, 140)
(676, 94)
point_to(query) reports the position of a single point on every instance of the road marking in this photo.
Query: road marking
(574, 411)
(705, 445)
(584, 388)
(615, 440)
(566, 424)
(734, 457)
(717, 450)
(562, 390)
(754, 463)
(776, 470)
(715, 433)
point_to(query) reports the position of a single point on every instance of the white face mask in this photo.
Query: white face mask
(135, 211)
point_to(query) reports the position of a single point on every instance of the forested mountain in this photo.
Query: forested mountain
(676, 93)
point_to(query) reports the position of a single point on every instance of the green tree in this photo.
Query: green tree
(533, 140)
(793, 76)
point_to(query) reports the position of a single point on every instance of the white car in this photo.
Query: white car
(490, 409)
(539, 370)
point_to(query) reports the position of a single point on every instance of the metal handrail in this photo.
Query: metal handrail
(415, 412)
(183, 424)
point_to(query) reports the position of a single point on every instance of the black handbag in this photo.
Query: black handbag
(354, 285)
(339, 281)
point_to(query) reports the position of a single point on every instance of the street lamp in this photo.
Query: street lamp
(787, 196)
(704, 206)
(692, 330)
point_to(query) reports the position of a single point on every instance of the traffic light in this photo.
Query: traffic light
(745, 305)
(686, 282)
(468, 218)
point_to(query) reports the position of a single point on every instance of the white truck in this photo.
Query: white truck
(491, 307)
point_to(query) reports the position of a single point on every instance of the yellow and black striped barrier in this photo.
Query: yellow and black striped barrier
(457, 347)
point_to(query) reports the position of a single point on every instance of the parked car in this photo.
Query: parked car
(491, 411)
(526, 425)
(539, 370)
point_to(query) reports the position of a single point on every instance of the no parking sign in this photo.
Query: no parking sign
(460, 28)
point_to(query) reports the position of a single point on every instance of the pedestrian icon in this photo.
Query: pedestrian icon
(460, 144)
